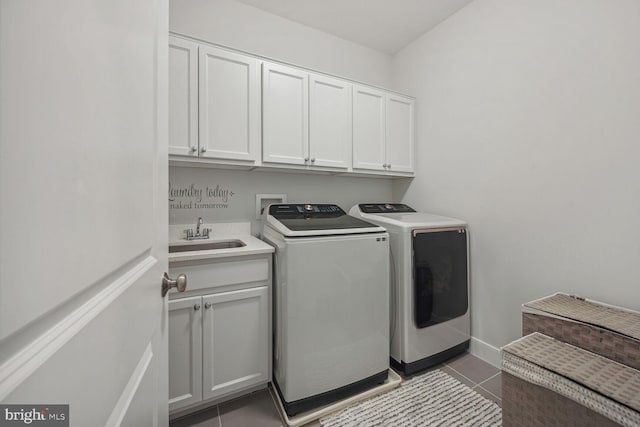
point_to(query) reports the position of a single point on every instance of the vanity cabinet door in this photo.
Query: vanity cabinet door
(183, 97)
(185, 352)
(235, 341)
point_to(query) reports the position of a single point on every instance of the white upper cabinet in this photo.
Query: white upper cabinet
(329, 122)
(183, 97)
(235, 110)
(306, 118)
(369, 129)
(400, 133)
(229, 105)
(285, 115)
(383, 131)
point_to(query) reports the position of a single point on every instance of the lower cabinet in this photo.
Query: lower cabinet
(235, 341)
(185, 352)
(218, 345)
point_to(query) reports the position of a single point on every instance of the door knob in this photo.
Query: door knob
(167, 283)
(193, 149)
(203, 149)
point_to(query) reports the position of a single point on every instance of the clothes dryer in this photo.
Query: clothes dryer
(430, 320)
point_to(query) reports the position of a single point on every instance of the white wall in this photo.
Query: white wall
(223, 206)
(250, 29)
(528, 126)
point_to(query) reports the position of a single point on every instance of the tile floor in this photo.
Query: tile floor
(259, 409)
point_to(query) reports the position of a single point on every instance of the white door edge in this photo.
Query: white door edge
(26, 361)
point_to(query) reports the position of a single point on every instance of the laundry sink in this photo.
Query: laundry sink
(221, 244)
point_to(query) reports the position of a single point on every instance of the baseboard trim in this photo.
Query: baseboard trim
(484, 351)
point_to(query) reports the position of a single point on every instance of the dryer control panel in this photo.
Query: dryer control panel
(384, 208)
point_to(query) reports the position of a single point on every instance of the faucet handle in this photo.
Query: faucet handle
(206, 232)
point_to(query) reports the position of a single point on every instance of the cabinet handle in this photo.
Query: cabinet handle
(192, 149)
(313, 160)
(389, 166)
(196, 307)
(306, 160)
(203, 149)
(384, 165)
(207, 305)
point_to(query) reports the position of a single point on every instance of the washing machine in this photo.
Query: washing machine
(430, 319)
(331, 304)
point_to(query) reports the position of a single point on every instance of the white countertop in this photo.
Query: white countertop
(220, 232)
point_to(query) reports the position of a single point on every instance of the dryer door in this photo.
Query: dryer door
(440, 285)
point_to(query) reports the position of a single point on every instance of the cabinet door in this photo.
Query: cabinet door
(285, 114)
(368, 129)
(185, 352)
(229, 105)
(183, 97)
(235, 334)
(400, 133)
(329, 122)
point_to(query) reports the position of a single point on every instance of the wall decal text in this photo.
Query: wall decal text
(193, 196)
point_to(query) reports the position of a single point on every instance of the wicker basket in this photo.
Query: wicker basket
(532, 405)
(612, 332)
(546, 382)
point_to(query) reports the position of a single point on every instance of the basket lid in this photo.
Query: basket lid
(604, 376)
(616, 319)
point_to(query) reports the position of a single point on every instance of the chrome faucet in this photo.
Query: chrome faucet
(198, 235)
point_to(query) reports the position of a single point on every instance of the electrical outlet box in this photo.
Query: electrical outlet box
(264, 200)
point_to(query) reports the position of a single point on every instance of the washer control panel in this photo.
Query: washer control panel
(321, 219)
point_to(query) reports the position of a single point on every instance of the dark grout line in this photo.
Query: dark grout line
(492, 376)
(464, 376)
(484, 389)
